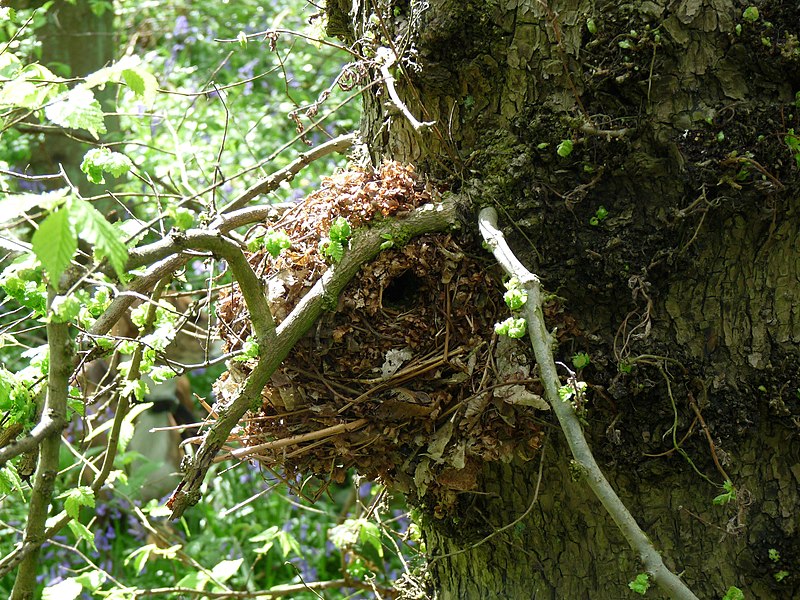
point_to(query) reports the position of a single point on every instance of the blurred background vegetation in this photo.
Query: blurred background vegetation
(234, 105)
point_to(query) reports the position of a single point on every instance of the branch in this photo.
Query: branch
(364, 246)
(55, 410)
(268, 184)
(46, 426)
(541, 341)
(251, 287)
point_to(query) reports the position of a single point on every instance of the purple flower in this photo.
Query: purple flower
(181, 26)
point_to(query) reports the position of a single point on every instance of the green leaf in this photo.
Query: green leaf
(9, 478)
(750, 14)
(226, 569)
(733, 593)
(65, 308)
(69, 589)
(515, 298)
(332, 249)
(340, 230)
(276, 242)
(183, 218)
(267, 536)
(31, 88)
(12, 206)
(564, 149)
(142, 83)
(91, 579)
(581, 360)
(102, 160)
(371, 535)
(75, 498)
(641, 584)
(80, 531)
(55, 243)
(512, 327)
(93, 228)
(78, 109)
(250, 350)
(288, 543)
(139, 557)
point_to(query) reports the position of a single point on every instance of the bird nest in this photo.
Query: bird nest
(404, 379)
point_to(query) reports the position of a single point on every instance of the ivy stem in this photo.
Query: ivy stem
(542, 343)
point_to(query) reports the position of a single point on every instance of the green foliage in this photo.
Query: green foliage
(793, 142)
(77, 497)
(733, 593)
(780, 575)
(640, 584)
(273, 242)
(774, 555)
(356, 532)
(249, 350)
(600, 215)
(572, 390)
(195, 150)
(750, 14)
(333, 246)
(515, 298)
(102, 160)
(513, 327)
(56, 240)
(565, 148)
(581, 360)
(728, 496)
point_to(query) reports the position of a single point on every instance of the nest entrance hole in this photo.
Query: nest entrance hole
(403, 292)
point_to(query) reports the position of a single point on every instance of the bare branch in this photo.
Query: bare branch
(541, 341)
(251, 287)
(268, 184)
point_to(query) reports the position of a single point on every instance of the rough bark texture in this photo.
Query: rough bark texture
(678, 113)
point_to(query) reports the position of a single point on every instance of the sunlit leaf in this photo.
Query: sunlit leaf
(55, 243)
(79, 109)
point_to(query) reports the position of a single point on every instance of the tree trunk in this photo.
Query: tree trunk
(667, 224)
(74, 43)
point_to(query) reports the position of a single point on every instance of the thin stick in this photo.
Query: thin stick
(542, 342)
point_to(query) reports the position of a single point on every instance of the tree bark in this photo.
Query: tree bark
(668, 228)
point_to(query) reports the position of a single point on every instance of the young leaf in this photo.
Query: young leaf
(93, 228)
(81, 532)
(142, 83)
(564, 149)
(641, 584)
(226, 569)
(102, 160)
(79, 109)
(55, 243)
(340, 230)
(69, 589)
(77, 497)
(276, 242)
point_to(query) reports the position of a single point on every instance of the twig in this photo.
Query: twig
(541, 341)
(270, 183)
(364, 246)
(243, 453)
(55, 410)
(387, 58)
(276, 592)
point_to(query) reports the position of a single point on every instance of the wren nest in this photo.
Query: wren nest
(405, 380)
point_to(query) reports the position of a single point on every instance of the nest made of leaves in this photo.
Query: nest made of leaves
(405, 380)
